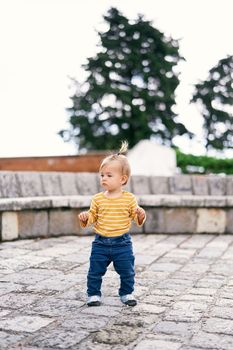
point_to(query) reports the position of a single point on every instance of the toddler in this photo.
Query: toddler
(111, 212)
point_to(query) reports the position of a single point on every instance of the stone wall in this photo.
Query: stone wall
(33, 184)
(47, 204)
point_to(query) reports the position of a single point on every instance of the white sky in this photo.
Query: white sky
(43, 42)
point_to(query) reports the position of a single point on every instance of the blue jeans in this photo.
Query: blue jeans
(104, 251)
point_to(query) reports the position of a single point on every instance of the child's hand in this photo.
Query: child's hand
(140, 212)
(83, 216)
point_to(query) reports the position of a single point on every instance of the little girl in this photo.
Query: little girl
(111, 212)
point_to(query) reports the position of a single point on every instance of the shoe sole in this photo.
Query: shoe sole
(131, 303)
(94, 303)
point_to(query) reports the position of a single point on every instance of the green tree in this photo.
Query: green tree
(215, 95)
(130, 88)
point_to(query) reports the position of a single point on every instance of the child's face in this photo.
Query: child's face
(111, 177)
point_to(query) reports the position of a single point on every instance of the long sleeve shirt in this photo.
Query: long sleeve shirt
(112, 216)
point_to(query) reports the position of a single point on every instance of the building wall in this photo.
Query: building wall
(79, 163)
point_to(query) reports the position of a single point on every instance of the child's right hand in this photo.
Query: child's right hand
(83, 216)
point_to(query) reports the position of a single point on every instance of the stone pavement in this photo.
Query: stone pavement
(184, 285)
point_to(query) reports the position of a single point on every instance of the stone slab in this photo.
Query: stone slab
(155, 220)
(229, 185)
(51, 183)
(14, 204)
(159, 184)
(8, 340)
(200, 185)
(211, 220)
(217, 185)
(229, 221)
(157, 344)
(68, 184)
(30, 184)
(9, 226)
(9, 186)
(180, 220)
(87, 183)
(33, 223)
(28, 324)
(63, 222)
(181, 184)
(140, 184)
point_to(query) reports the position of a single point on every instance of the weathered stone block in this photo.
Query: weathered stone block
(170, 200)
(30, 184)
(180, 220)
(87, 183)
(51, 184)
(154, 221)
(150, 200)
(180, 184)
(60, 201)
(34, 202)
(9, 186)
(80, 201)
(63, 222)
(58, 339)
(217, 185)
(159, 184)
(7, 340)
(140, 184)
(229, 185)
(229, 201)
(25, 323)
(149, 344)
(68, 184)
(7, 204)
(25, 203)
(211, 220)
(199, 185)
(229, 221)
(215, 201)
(218, 325)
(192, 201)
(176, 328)
(9, 225)
(33, 223)
(205, 340)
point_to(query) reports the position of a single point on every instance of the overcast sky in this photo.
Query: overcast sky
(44, 42)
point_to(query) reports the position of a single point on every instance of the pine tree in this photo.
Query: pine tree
(129, 92)
(215, 94)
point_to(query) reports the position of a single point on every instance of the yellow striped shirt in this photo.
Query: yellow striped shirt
(112, 216)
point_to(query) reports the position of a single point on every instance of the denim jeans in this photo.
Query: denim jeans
(104, 251)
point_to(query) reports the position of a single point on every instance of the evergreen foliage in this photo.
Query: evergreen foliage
(129, 92)
(216, 97)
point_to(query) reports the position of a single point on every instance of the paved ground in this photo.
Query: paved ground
(184, 287)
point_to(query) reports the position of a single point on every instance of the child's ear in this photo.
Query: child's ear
(124, 179)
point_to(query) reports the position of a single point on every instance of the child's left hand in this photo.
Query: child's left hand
(140, 212)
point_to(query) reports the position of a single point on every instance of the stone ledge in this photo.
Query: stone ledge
(16, 204)
(190, 201)
(148, 200)
(49, 216)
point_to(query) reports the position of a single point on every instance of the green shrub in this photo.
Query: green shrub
(189, 163)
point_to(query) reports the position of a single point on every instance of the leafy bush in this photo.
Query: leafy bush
(189, 163)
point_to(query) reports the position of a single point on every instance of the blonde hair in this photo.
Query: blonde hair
(121, 158)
